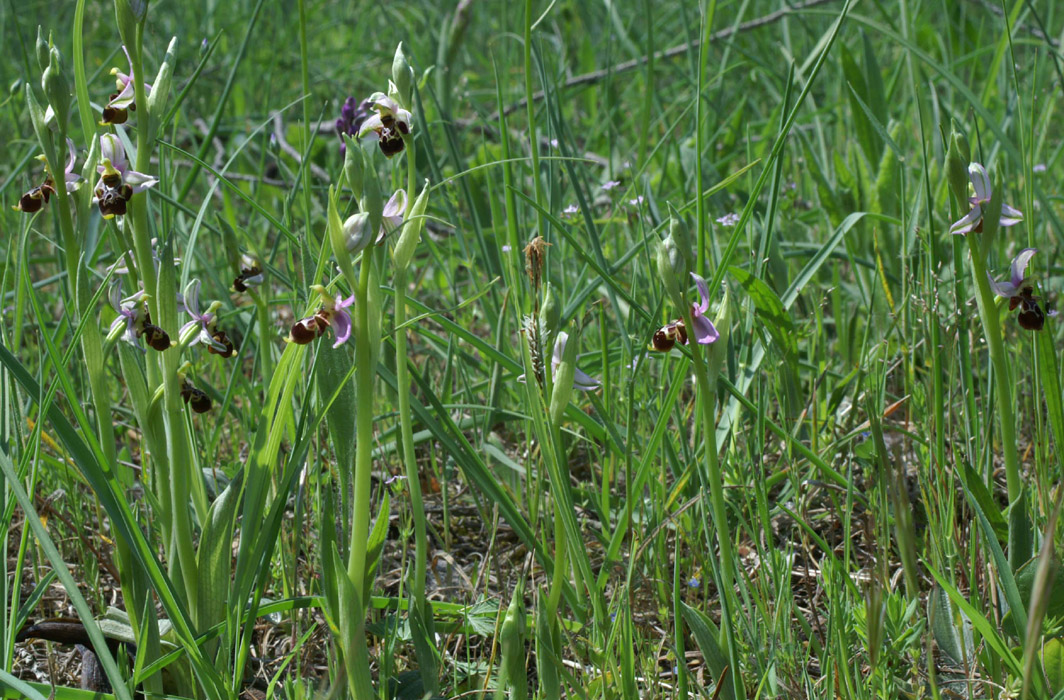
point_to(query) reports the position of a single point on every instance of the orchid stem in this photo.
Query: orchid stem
(1000, 363)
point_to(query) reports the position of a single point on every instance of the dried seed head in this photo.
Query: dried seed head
(534, 258)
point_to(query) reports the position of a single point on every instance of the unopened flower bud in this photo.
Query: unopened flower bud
(372, 202)
(42, 49)
(56, 88)
(672, 269)
(358, 233)
(402, 77)
(160, 91)
(353, 164)
(551, 311)
(957, 158)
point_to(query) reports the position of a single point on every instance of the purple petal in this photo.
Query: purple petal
(1019, 265)
(704, 331)
(139, 181)
(584, 382)
(114, 295)
(967, 222)
(72, 156)
(341, 323)
(559, 349)
(1002, 289)
(396, 205)
(1010, 216)
(192, 299)
(980, 183)
(703, 291)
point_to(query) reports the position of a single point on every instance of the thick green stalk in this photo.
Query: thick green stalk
(714, 481)
(406, 425)
(359, 682)
(999, 360)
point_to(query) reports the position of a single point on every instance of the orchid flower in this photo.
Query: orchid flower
(390, 123)
(36, 198)
(133, 320)
(333, 313)
(666, 337)
(216, 341)
(392, 217)
(118, 181)
(116, 111)
(250, 274)
(972, 222)
(1020, 291)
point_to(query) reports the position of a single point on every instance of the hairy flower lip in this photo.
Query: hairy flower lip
(332, 314)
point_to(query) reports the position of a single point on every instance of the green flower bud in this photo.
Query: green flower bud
(403, 77)
(371, 202)
(338, 240)
(550, 313)
(160, 90)
(15, 87)
(56, 88)
(42, 49)
(129, 14)
(411, 231)
(564, 375)
(512, 645)
(957, 158)
(353, 165)
(357, 232)
(672, 270)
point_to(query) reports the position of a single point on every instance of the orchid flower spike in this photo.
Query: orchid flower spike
(972, 222)
(201, 329)
(118, 181)
(389, 125)
(117, 110)
(1020, 291)
(333, 313)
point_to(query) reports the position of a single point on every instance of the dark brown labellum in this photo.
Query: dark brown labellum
(156, 337)
(390, 142)
(112, 201)
(238, 284)
(221, 337)
(666, 337)
(197, 400)
(306, 330)
(1031, 316)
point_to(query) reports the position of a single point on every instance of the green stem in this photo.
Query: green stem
(999, 360)
(714, 480)
(359, 681)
